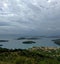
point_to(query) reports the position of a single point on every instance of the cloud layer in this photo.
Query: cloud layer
(29, 17)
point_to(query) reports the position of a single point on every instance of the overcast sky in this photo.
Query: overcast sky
(30, 17)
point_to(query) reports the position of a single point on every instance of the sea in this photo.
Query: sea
(18, 44)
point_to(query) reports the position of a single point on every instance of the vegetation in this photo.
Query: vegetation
(1, 45)
(30, 56)
(3, 40)
(28, 38)
(28, 42)
(33, 38)
(57, 41)
(22, 38)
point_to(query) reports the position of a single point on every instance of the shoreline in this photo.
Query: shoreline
(37, 48)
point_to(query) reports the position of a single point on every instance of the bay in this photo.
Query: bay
(15, 44)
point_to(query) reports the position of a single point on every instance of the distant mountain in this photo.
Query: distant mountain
(53, 36)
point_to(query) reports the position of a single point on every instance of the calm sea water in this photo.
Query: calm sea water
(15, 44)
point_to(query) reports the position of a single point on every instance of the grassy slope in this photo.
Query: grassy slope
(31, 56)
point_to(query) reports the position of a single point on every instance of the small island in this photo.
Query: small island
(3, 40)
(57, 41)
(22, 38)
(1, 45)
(33, 38)
(28, 42)
(28, 38)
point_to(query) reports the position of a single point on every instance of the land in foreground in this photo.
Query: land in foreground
(35, 55)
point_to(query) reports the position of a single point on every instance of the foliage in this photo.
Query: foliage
(30, 56)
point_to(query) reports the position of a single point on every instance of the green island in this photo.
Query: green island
(22, 38)
(28, 38)
(1, 45)
(28, 42)
(57, 41)
(3, 40)
(33, 38)
(35, 55)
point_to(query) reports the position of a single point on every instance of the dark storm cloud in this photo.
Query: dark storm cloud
(33, 16)
(4, 24)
